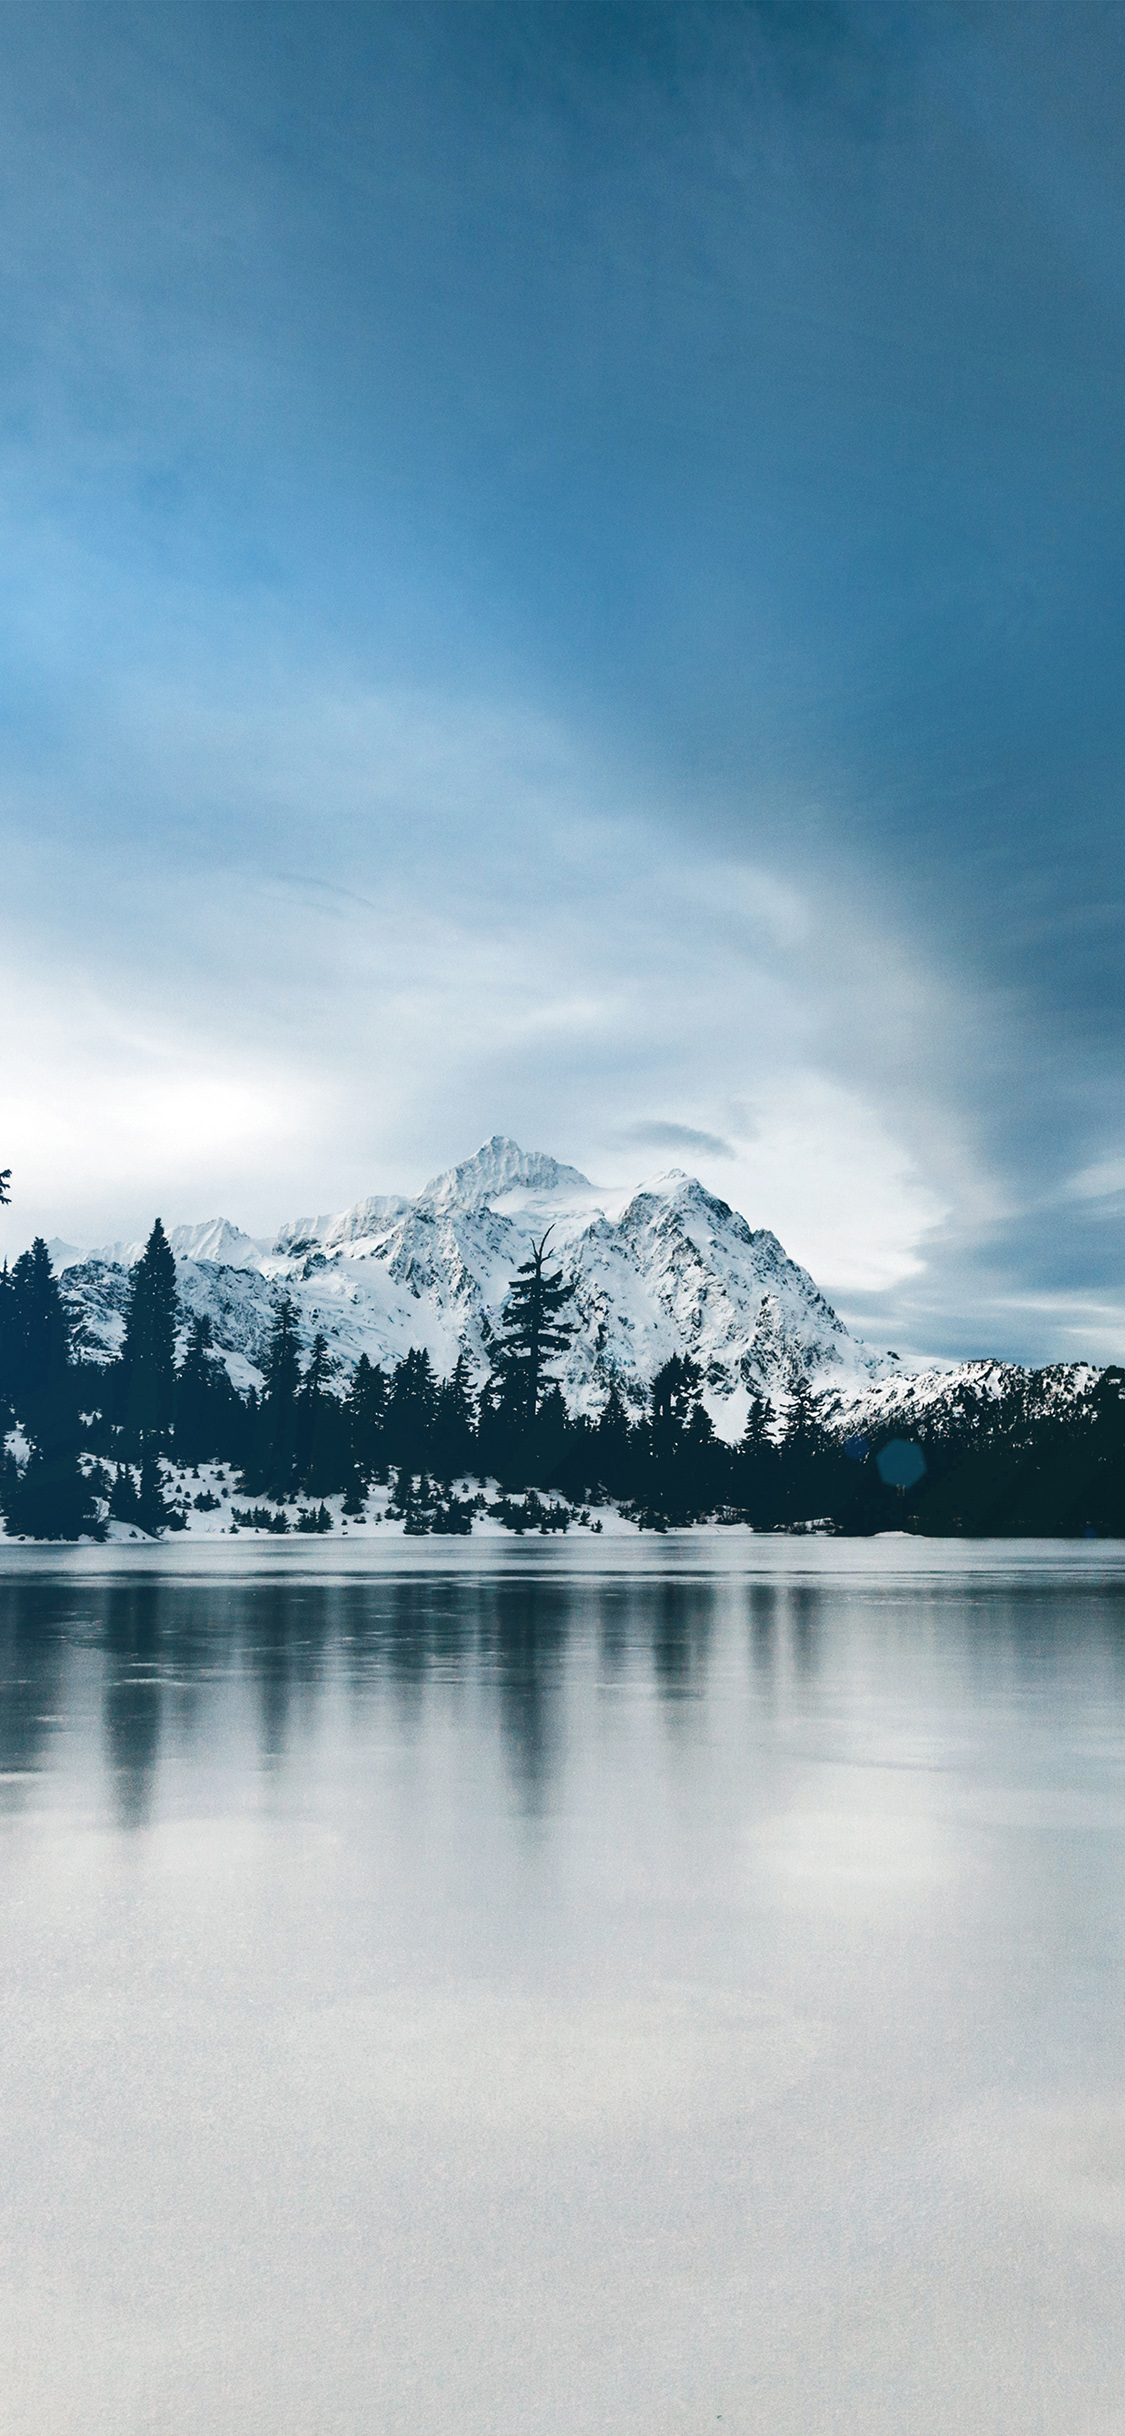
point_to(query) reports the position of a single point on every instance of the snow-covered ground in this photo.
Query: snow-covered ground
(209, 1499)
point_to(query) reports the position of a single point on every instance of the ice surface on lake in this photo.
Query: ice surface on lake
(629, 1986)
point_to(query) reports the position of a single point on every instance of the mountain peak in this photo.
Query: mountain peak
(498, 1167)
(215, 1239)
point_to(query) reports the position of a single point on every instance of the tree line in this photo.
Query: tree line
(105, 1432)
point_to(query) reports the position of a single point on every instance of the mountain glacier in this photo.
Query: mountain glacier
(667, 1269)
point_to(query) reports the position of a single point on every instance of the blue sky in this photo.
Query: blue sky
(564, 576)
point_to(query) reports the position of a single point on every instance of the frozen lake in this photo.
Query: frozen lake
(622, 1986)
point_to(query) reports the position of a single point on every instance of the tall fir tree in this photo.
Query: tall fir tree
(808, 1463)
(533, 1331)
(38, 1341)
(674, 1394)
(8, 1343)
(756, 1466)
(148, 1355)
(211, 1417)
(701, 1459)
(321, 1444)
(411, 1409)
(454, 1433)
(680, 1440)
(613, 1445)
(278, 1408)
(366, 1409)
(50, 1499)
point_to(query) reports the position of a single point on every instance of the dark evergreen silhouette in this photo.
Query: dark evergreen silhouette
(412, 1410)
(194, 1390)
(274, 1464)
(314, 1519)
(39, 1384)
(8, 1342)
(806, 1460)
(210, 1416)
(50, 1498)
(614, 1457)
(140, 1499)
(755, 1467)
(366, 1412)
(533, 1331)
(321, 1447)
(681, 1441)
(148, 1354)
(454, 1427)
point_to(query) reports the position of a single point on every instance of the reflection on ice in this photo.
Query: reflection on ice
(543, 1997)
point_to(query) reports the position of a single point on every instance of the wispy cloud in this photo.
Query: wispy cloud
(660, 1135)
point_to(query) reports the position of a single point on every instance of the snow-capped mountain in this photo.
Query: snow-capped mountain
(667, 1269)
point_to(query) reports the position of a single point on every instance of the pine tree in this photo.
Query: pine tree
(194, 1393)
(8, 1345)
(38, 1341)
(278, 1409)
(366, 1411)
(49, 1499)
(497, 1436)
(141, 1502)
(152, 1509)
(148, 1355)
(411, 1409)
(532, 1333)
(124, 1499)
(317, 1368)
(211, 1417)
(803, 1434)
(321, 1444)
(698, 1459)
(613, 1445)
(680, 1439)
(806, 1460)
(756, 1434)
(756, 1467)
(226, 1423)
(454, 1435)
(674, 1393)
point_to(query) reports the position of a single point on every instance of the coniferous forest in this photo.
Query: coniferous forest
(88, 1442)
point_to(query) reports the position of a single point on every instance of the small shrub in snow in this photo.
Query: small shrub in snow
(258, 1518)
